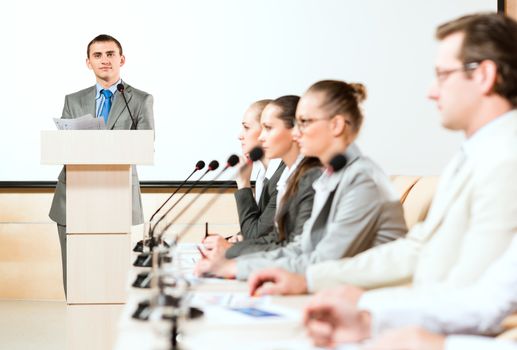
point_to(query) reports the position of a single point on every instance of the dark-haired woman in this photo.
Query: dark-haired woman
(354, 208)
(294, 187)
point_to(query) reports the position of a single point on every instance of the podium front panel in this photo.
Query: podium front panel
(97, 268)
(98, 198)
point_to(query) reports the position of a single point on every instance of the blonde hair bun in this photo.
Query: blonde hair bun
(359, 91)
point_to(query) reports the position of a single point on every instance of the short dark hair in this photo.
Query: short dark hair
(488, 36)
(103, 38)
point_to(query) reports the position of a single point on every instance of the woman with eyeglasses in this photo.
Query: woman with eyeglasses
(294, 188)
(354, 208)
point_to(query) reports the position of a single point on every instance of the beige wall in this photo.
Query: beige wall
(30, 258)
(511, 8)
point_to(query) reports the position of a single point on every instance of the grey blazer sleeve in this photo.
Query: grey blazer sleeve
(257, 221)
(300, 208)
(297, 210)
(252, 221)
(355, 218)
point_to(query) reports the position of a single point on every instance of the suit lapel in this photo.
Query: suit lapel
(264, 196)
(88, 102)
(326, 185)
(450, 190)
(282, 211)
(118, 107)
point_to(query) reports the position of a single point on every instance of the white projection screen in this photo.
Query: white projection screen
(205, 61)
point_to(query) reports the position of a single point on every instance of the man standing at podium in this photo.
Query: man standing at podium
(104, 100)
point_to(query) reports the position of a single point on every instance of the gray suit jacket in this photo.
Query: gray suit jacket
(295, 211)
(83, 102)
(257, 221)
(354, 209)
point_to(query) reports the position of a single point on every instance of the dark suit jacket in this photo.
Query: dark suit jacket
(295, 211)
(257, 221)
(83, 102)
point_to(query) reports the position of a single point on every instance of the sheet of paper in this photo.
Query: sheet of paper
(86, 122)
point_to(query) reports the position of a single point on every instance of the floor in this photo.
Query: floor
(32, 325)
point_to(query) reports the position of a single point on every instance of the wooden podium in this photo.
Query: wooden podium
(98, 206)
(99, 167)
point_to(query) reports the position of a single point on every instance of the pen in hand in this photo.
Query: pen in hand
(203, 255)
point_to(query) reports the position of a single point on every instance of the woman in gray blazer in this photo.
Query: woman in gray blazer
(354, 208)
(294, 186)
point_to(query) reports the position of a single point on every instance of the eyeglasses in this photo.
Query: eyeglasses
(443, 74)
(303, 123)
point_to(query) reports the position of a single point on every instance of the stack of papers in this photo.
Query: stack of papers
(86, 122)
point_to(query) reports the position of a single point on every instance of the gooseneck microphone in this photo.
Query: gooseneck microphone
(199, 165)
(144, 259)
(213, 165)
(231, 162)
(121, 88)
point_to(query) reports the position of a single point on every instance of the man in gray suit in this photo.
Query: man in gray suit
(104, 58)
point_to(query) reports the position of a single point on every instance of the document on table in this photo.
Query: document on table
(86, 122)
(230, 300)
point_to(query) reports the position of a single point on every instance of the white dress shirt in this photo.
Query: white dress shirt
(476, 309)
(263, 174)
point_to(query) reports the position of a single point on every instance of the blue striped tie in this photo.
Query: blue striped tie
(106, 106)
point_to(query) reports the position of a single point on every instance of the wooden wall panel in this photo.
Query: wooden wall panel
(30, 262)
(30, 256)
(511, 8)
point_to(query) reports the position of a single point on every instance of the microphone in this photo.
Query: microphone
(121, 88)
(256, 154)
(145, 259)
(231, 162)
(337, 163)
(143, 280)
(140, 245)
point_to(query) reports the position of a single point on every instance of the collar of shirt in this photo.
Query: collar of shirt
(328, 182)
(482, 138)
(264, 173)
(286, 174)
(272, 166)
(99, 98)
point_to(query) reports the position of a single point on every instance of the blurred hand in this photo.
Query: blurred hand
(276, 281)
(214, 241)
(214, 264)
(409, 338)
(330, 321)
(235, 238)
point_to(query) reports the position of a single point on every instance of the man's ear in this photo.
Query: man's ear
(486, 76)
(122, 60)
(88, 64)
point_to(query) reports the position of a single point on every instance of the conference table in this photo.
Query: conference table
(274, 322)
